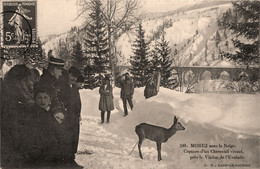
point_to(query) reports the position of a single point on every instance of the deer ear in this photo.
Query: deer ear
(175, 119)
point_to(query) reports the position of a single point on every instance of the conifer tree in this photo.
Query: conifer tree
(139, 61)
(77, 55)
(91, 80)
(244, 23)
(162, 61)
(218, 39)
(97, 40)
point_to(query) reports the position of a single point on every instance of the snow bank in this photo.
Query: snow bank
(230, 111)
(208, 118)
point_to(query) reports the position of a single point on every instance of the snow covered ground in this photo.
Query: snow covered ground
(208, 118)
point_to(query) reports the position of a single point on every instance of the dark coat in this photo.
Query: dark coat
(35, 137)
(58, 143)
(13, 111)
(150, 89)
(127, 89)
(106, 98)
(49, 82)
(70, 97)
(46, 139)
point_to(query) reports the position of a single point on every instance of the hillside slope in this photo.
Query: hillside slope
(188, 32)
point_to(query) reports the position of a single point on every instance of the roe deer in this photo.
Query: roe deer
(156, 133)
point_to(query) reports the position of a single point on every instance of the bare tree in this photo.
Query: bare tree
(119, 16)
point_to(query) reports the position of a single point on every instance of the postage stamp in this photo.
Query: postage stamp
(19, 24)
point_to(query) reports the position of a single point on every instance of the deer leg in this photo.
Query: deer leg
(159, 145)
(139, 147)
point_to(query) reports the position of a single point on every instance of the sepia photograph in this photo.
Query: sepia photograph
(130, 84)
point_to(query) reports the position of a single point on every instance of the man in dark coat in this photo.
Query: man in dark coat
(14, 103)
(127, 91)
(69, 95)
(50, 75)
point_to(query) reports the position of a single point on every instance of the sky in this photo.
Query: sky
(57, 16)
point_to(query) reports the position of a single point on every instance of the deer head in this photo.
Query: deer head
(177, 124)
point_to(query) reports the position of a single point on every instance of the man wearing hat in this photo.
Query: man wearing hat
(69, 95)
(50, 75)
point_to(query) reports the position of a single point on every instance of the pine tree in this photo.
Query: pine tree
(245, 23)
(77, 55)
(97, 40)
(139, 61)
(226, 17)
(218, 39)
(162, 61)
(91, 81)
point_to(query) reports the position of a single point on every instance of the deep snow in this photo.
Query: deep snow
(208, 118)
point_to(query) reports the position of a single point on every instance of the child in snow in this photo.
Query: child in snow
(106, 99)
(35, 132)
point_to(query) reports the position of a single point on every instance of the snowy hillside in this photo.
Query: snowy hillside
(208, 119)
(188, 32)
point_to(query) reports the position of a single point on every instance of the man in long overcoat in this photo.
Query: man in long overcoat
(70, 97)
(127, 91)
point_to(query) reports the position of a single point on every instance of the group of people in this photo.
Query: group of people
(40, 116)
(127, 91)
(106, 103)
